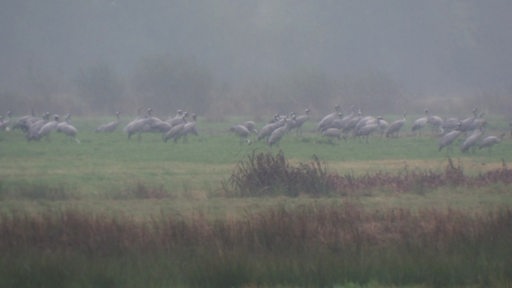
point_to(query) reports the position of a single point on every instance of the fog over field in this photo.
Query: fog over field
(258, 57)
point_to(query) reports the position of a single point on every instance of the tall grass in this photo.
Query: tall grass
(309, 245)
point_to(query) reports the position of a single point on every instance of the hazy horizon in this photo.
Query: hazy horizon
(433, 48)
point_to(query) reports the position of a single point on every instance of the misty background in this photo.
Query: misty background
(244, 57)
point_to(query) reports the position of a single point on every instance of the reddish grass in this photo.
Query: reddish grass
(267, 174)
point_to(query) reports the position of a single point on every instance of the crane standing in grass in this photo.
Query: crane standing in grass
(489, 141)
(471, 140)
(448, 138)
(110, 126)
(68, 129)
(325, 122)
(395, 127)
(420, 123)
(278, 134)
(299, 122)
(242, 132)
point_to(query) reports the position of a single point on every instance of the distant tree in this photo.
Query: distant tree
(172, 84)
(373, 91)
(100, 88)
(314, 90)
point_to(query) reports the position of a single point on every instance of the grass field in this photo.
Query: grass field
(111, 186)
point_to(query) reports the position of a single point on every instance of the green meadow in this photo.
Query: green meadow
(113, 212)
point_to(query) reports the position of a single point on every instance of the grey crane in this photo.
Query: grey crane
(352, 122)
(242, 131)
(178, 118)
(395, 127)
(176, 130)
(435, 122)
(448, 138)
(366, 130)
(155, 124)
(327, 119)
(420, 123)
(466, 124)
(138, 125)
(278, 134)
(48, 127)
(189, 128)
(344, 120)
(489, 141)
(267, 129)
(299, 121)
(174, 133)
(332, 133)
(251, 126)
(68, 129)
(23, 123)
(449, 124)
(471, 140)
(110, 126)
(478, 123)
(383, 125)
(34, 125)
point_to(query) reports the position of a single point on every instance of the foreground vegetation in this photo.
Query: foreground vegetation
(310, 245)
(213, 213)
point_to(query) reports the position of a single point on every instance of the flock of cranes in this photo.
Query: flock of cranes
(36, 128)
(336, 125)
(339, 125)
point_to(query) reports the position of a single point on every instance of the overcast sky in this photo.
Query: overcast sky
(427, 46)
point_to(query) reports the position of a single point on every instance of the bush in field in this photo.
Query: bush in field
(268, 174)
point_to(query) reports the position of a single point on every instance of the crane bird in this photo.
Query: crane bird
(48, 127)
(176, 130)
(471, 140)
(331, 133)
(155, 124)
(448, 138)
(383, 125)
(420, 123)
(23, 123)
(327, 119)
(366, 130)
(278, 134)
(435, 122)
(110, 126)
(299, 121)
(251, 126)
(189, 128)
(352, 122)
(267, 129)
(466, 124)
(490, 141)
(242, 131)
(478, 123)
(68, 129)
(395, 127)
(138, 125)
(176, 119)
(449, 124)
(363, 121)
(34, 125)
